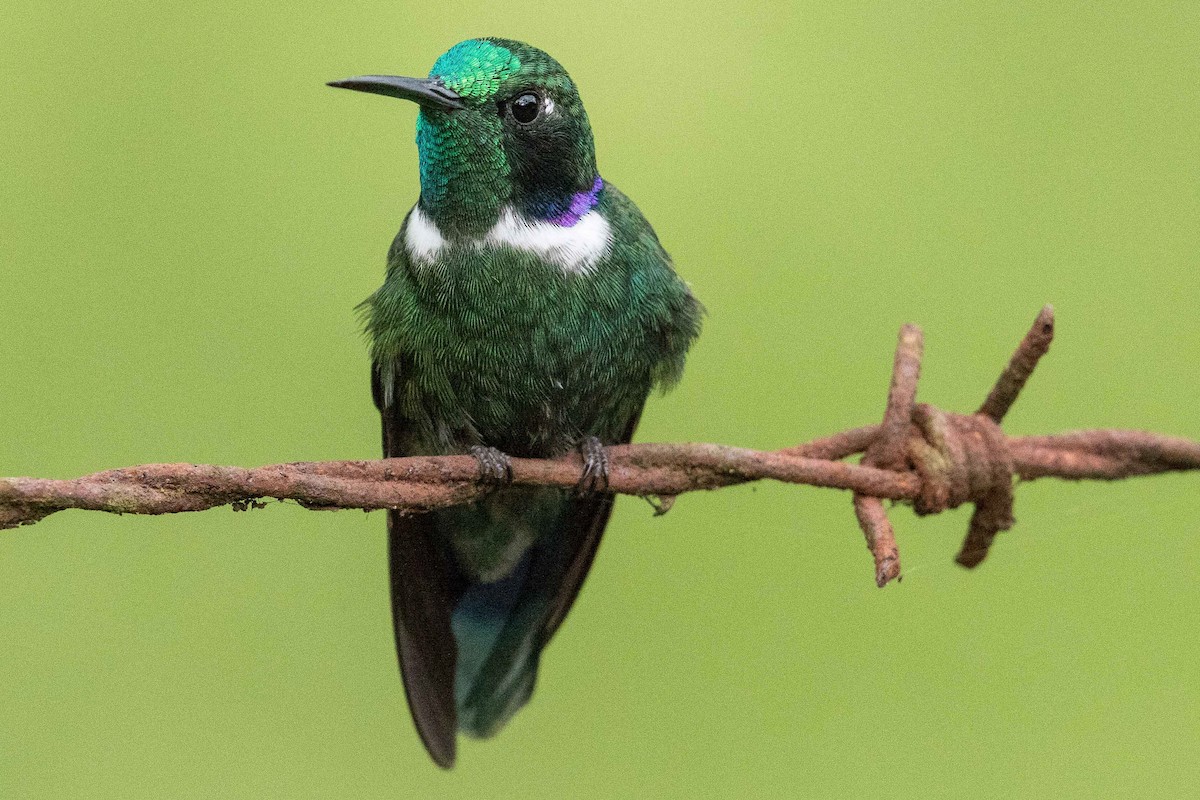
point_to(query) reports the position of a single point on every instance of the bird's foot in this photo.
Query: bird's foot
(495, 468)
(595, 468)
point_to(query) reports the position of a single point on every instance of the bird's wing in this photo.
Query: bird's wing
(424, 588)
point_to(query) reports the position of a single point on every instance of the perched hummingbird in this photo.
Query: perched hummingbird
(528, 310)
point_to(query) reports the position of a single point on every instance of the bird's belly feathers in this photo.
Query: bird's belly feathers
(509, 351)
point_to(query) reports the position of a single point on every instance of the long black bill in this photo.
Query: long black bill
(430, 93)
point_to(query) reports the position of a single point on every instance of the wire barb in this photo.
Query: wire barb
(932, 459)
(888, 451)
(1010, 383)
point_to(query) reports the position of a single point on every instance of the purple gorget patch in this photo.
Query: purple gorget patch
(581, 203)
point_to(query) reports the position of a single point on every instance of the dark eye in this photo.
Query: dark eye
(525, 108)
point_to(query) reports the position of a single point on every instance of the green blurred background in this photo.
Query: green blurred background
(188, 217)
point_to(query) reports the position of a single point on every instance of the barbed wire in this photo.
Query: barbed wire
(932, 459)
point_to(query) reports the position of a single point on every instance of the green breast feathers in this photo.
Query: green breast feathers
(532, 335)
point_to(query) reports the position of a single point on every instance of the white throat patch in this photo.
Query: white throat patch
(576, 249)
(423, 239)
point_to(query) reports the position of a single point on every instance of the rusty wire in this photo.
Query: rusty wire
(932, 459)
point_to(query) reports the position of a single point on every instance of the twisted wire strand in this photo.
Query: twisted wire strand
(933, 459)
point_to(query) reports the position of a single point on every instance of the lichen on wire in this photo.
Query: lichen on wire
(931, 459)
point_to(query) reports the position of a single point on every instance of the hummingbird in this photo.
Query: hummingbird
(528, 310)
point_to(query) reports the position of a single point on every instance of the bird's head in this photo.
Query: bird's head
(501, 123)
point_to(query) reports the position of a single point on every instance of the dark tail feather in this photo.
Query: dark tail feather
(494, 625)
(424, 590)
(502, 627)
(469, 653)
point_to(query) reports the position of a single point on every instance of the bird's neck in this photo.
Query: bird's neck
(471, 205)
(564, 207)
(467, 184)
(465, 180)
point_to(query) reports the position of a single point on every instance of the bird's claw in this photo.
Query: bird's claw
(595, 468)
(495, 468)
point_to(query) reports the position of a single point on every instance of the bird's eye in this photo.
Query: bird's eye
(525, 108)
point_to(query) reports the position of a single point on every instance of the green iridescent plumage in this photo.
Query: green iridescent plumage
(475, 68)
(529, 307)
(471, 166)
(510, 352)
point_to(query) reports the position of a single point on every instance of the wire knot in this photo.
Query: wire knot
(963, 458)
(959, 458)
